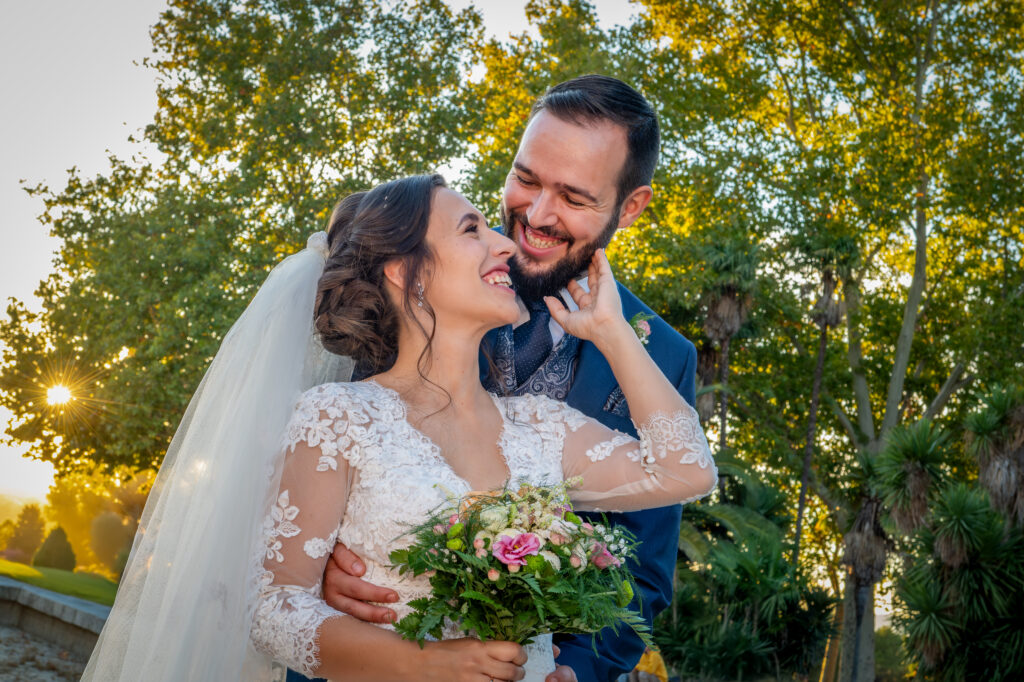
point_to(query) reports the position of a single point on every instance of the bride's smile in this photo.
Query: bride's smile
(468, 285)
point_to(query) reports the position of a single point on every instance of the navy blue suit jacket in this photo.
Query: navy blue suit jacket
(657, 529)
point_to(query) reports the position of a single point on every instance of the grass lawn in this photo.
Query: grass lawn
(85, 585)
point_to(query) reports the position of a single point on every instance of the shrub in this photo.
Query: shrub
(55, 552)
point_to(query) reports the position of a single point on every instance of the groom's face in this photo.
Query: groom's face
(560, 200)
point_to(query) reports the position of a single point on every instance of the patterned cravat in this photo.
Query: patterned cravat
(532, 341)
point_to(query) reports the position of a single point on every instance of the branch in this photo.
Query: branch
(858, 36)
(844, 419)
(952, 385)
(854, 356)
(917, 285)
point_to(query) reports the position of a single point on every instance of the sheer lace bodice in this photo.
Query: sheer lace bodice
(358, 472)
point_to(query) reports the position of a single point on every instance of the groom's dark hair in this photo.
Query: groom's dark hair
(593, 98)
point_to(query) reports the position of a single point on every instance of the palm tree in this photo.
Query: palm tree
(732, 269)
(908, 469)
(995, 437)
(830, 257)
(962, 595)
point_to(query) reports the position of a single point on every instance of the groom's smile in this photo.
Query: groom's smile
(560, 201)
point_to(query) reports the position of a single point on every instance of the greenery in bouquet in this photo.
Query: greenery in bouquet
(512, 564)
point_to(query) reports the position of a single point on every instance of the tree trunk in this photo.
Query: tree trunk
(857, 658)
(812, 425)
(723, 407)
(831, 665)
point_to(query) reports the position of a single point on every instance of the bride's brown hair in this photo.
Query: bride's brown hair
(353, 313)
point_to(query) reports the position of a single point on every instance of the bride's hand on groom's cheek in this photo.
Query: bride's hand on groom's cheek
(599, 307)
(345, 591)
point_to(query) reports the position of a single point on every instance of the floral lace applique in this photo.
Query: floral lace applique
(604, 449)
(679, 433)
(317, 548)
(278, 524)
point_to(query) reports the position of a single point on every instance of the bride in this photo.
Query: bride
(226, 569)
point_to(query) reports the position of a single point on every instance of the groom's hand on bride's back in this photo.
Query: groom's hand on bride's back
(346, 591)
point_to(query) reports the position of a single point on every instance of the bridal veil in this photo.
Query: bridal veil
(184, 606)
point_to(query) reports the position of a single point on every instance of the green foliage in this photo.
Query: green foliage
(739, 611)
(110, 534)
(572, 581)
(909, 467)
(889, 656)
(6, 532)
(961, 596)
(55, 552)
(266, 117)
(27, 533)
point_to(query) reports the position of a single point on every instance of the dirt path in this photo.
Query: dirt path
(27, 658)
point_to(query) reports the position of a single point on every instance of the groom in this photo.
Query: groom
(583, 170)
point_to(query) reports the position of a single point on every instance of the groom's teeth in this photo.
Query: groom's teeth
(536, 241)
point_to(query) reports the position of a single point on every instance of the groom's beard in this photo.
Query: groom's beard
(533, 286)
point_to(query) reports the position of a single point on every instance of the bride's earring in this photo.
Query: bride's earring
(419, 294)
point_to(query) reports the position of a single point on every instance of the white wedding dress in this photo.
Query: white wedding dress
(358, 472)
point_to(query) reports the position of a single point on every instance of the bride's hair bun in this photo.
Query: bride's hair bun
(353, 313)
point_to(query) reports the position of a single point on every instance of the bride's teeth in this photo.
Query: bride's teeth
(499, 279)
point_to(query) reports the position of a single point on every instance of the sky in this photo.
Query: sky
(74, 90)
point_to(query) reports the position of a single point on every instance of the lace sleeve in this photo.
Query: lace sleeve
(299, 531)
(671, 462)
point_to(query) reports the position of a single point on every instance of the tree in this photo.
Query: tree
(55, 552)
(863, 119)
(731, 269)
(266, 117)
(6, 532)
(110, 535)
(27, 533)
(75, 499)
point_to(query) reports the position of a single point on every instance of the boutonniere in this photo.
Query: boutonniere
(641, 326)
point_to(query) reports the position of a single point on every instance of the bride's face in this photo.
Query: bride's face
(469, 279)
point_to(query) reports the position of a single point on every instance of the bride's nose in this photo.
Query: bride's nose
(502, 247)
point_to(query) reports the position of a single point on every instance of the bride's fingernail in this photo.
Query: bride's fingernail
(358, 567)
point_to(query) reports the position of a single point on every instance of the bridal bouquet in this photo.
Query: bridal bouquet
(513, 564)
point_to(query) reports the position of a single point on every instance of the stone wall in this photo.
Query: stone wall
(72, 623)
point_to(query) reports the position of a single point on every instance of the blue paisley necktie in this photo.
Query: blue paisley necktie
(532, 341)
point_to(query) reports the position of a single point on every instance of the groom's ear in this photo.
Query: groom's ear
(634, 205)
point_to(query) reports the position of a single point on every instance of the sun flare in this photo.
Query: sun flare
(58, 395)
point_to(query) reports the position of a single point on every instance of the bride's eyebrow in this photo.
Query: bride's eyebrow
(469, 216)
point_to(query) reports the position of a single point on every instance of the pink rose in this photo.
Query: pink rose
(493, 575)
(453, 519)
(645, 327)
(601, 557)
(513, 551)
(478, 543)
(588, 529)
(439, 529)
(575, 561)
(558, 539)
